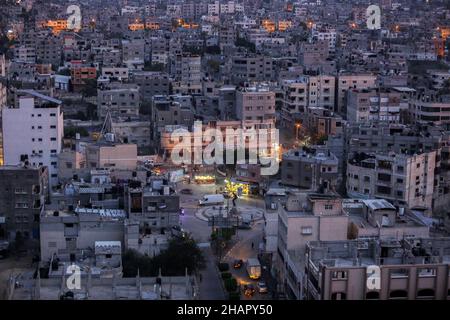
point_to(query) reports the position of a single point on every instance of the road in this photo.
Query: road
(210, 286)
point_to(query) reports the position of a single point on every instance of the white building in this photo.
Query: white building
(33, 129)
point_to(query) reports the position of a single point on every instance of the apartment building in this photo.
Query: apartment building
(305, 218)
(251, 68)
(151, 84)
(255, 103)
(407, 269)
(322, 122)
(133, 53)
(379, 219)
(118, 73)
(33, 130)
(187, 68)
(309, 168)
(136, 131)
(405, 180)
(165, 111)
(105, 154)
(346, 82)
(313, 54)
(308, 92)
(227, 102)
(154, 205)
(430, 108)
(390, 104)
(24, 190)
(120, 99)
(71, 234)
(81, 72)
(325, 34)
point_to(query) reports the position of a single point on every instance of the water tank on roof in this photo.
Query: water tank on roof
(110, 137)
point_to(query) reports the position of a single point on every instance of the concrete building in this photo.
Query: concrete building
(312, 55)
(227, 102)
(430, 108)
(309, 168)
(121, 100)
(251, 68)
(322, 122)
(346, 82)
(151, 84)
(33, 130)
(365, 105)
(255, 103)
(305, 218)
(379, 219)
(404, 180)
(308, 92)
(133, 131)
(187, 68)
(409, 269)
(165, 111)
(24, 190)
(155, 206)
(69, 235)
(106, 154)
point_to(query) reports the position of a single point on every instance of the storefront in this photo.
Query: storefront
(204, 179)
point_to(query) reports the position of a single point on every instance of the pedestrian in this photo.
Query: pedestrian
(253, 245)
(200, 277)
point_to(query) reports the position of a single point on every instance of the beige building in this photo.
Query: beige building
(379, 219)
(304, 218)
(255, 103)
(308, 92)
(405, 180)
(346, 82)
(110, 155)
(386, 104)
(430, 109)
(409, 269)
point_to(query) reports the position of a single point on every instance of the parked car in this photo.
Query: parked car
(249, 290)
(262, 287)
(238, 264)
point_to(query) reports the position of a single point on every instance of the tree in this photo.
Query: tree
(148, 66)
(89, 88)
(214, 66)
(70, 132)
(182, 254)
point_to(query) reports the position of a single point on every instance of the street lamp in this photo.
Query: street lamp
(297, 128)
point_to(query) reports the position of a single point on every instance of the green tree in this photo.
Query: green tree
(182, 254)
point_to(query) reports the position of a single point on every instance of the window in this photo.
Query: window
(427, 272)
(339, 275)
(20, 191)
(328, 207)
(306, 230)
(398, 294)
(425, 294)
(21, 205)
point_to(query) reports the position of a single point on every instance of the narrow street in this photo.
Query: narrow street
(211, 286)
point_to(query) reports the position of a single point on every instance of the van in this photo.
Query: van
(211, 199)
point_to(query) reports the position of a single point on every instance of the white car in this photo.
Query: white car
(262, 287)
